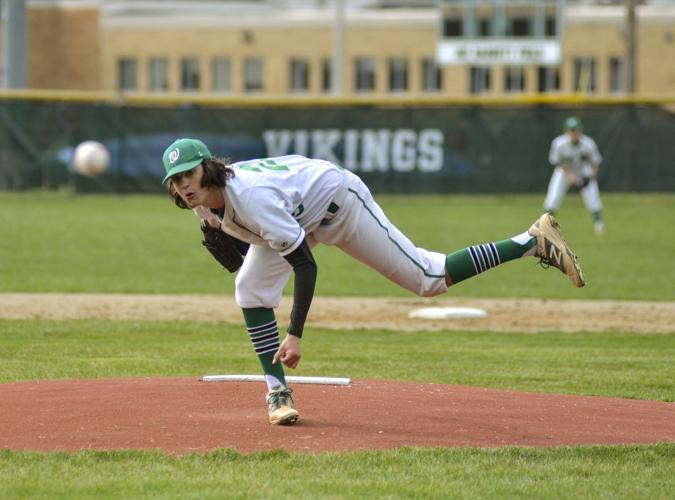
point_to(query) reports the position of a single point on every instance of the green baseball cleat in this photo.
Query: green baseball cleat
(553, 250)
(281, 407)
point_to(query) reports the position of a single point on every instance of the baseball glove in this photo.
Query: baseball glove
(582, 182)
(225, 249)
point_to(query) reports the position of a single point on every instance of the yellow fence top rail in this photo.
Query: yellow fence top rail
(219, 100)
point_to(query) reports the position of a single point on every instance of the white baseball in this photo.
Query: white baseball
(91, 158)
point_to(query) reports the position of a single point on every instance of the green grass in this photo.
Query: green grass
(144, 244)
(581, 472)
(611, 364)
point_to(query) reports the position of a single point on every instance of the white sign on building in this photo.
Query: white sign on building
(499, 51)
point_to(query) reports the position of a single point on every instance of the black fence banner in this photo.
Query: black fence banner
(454, 148)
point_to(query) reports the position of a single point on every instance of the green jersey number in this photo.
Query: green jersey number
(264, 165)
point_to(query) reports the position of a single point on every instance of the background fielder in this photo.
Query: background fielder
(576, 159)
(277, 209)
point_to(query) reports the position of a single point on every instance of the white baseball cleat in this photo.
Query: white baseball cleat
(553, 250)
(599, 228)
(281, 407)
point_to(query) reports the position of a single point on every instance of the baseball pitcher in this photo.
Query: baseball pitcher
(261, 218)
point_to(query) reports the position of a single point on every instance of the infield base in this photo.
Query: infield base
(447, 313)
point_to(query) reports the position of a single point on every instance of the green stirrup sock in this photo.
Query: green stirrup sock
(264, 333)
(475, 259)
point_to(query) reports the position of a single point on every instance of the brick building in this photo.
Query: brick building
(278, 48)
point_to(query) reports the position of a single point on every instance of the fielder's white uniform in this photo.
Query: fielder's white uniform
(580, 158)
(274, 203)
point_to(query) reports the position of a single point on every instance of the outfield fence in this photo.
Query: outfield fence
(396, 145)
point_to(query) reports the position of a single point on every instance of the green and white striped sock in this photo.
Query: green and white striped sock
(264, 334)
(475, 259)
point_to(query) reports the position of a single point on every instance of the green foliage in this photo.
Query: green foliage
(612, 364)
(143, 244)
(578, 472)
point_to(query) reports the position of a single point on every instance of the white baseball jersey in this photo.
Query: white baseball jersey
(578, 156)
(275, 203)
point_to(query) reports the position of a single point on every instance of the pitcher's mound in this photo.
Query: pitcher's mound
(184, 415)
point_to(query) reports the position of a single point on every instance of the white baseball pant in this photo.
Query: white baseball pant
(558, 187)
(361, 229)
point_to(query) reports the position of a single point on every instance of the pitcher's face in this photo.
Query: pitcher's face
(188, 185)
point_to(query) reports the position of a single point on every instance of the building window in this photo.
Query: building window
(221, 74)
(519, 27)
(298, 75)
(617, 75)
(189, 73)
(365, 74)
(452, 27)
(127, 74)
(479, 79)
(158, 72)
(398, 74)
(253, 75)
(432, 76)
(548, 78)
(584, 74)
(514, 79)
(550, 26)
(326, 75)
(484, 27)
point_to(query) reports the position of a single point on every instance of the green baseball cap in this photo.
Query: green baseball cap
(184, 155)
(573, 123)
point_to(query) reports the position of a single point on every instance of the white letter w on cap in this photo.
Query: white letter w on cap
(173, 155)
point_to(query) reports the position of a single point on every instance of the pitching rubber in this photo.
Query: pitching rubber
(289, 379)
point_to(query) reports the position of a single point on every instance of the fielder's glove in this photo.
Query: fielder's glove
(225, 249)
(582, 182)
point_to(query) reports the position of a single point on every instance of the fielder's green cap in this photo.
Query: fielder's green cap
(184, 155)
(573, 123)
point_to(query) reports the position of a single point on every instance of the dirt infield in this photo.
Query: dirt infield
(503, 315)
(181, 415)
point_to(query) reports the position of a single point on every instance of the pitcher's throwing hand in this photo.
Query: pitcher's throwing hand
(277, 209)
